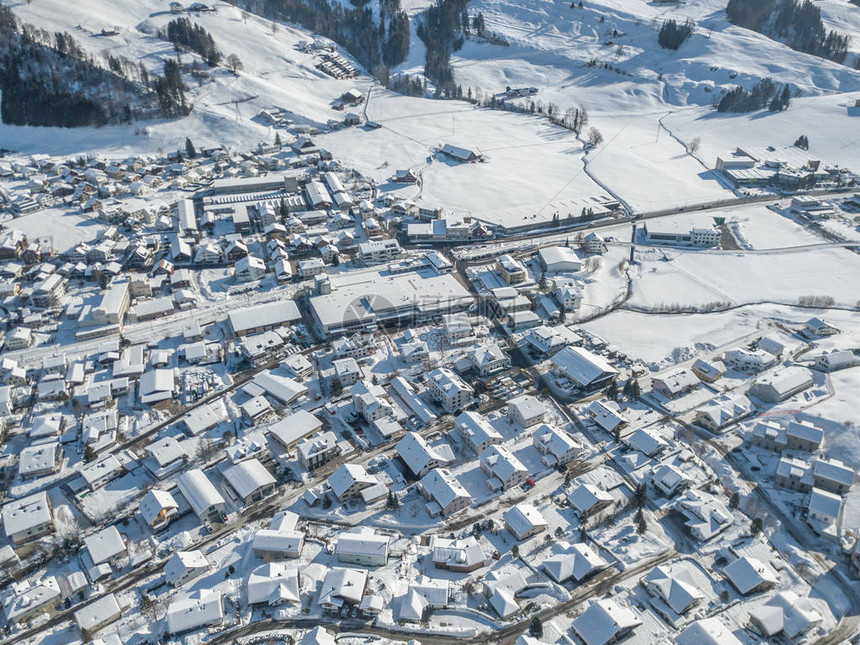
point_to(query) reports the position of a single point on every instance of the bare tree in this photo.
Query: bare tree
(234, 64)
(245, 16)
(274, 28)
(693, 146)
(594, 137)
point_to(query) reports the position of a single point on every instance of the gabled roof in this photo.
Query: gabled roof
(585, 496)
(746, 574)
(676, 588)
(707, 631)
(786, 613)
(577, 563)
(603, 620)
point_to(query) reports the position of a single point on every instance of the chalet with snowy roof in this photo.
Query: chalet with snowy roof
(342, 586)
(476, 431)
(749, 575)
(28, 518)
(675, 382)
(445, 494)
(584, 369)
(587, 499)
(420, 457)
(524, 521)
(577, 562)
(274, 584)
(158, 508)
(503, 469)
(362, 546)
(706, 515)
(526, 410)
(556, 446)
(459, 555)
(605, 621)
(463, 155)
(184, 566)
(785, 616)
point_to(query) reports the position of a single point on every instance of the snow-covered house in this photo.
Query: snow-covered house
(556, 446)
(476, 432)
(749, 575)
(577, 562)
(503, 469)
(605, 621)
(190, 612)
(362, 546)
(183, 566)
(445, 494)
(524, 521)
(526, 410)
(420, 457)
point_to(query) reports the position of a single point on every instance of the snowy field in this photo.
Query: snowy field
(831, 123)
(668, 276)
(539, 165)
(662, 340)
(758, 227)
(66, 229)
(647, 168)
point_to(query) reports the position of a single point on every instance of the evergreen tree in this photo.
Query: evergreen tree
(536, 628)
(672, 35)
(190, 150)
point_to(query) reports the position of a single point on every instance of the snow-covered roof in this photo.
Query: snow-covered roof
(578, 562)
(266, 315)
(347, 475)
(181, 561)
(342, 584)
(156, 385)
(200, 608)
(676, 588)
(98, 613)
(274, 583)
(248, 477)
(747, 574)
(282, 388)
(199, 491)
(365, 542)
(822, 502)
(554, 441)
(527, 406)
(203, 418)
(33, 460)
(833, 470)
(21, 598)
(166, 451)
(501, 462)
(707, 631)
(786, 613)
(604, 621)
(476, 427)
(295, 427)
(523, 518)
(26, 513)
(105, 545)
(464, 553)
(586, 496)
(646, 441)
(582, 366)
(441, 486)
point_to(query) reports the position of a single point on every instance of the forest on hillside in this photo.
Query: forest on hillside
(373, 44)
(47, 79)
(797, 23)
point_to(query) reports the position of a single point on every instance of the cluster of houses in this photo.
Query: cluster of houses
(789, 167)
